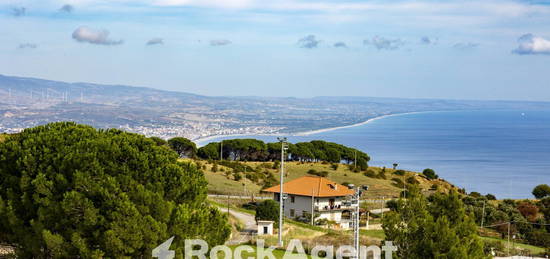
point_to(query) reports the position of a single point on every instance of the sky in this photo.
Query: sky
(492, 50)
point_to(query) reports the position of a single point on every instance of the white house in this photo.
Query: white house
(314, 195)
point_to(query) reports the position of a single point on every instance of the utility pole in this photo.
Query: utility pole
(368, 216)
(355, 201)
(312, 202)
(355, 160)
(382, 206)
(228, 199)
(221, 150)
(509, 238)
(281, 199)
(483, 215)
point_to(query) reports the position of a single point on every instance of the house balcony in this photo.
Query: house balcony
(340, 207)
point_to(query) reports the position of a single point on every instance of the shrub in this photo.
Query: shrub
(276, 164)
(490, 197)
(412, 180)
(397, 182)
(399, 172)
(475, 194)
(321, 222)
(268, 210)
(430, 174)
(392, 205)
(250, 206)
(334, 166)
(370, 173)
(237, 177)
(314, 172)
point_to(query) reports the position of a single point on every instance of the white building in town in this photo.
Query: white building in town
(313, 195)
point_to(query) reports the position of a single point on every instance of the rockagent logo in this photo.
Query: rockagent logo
(197, 248)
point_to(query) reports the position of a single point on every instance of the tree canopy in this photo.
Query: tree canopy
(257, 150)
(541, 191)
(184, 147)
(70, 191)
(436, 229)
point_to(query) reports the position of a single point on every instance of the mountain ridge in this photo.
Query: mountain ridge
(27, 102)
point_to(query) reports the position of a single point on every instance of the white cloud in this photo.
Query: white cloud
(27, 46)
(155, 41)
(220, 42)
(89, 35)
(530, 44)
(18, 11)
(340, 44)
(308, 42)
(237, 4)
(465, 45)
(382, 43)
(428, 41)
(67, 8)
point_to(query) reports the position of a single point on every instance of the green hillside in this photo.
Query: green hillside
(224, 179)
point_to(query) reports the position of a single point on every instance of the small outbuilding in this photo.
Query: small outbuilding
(265, 227)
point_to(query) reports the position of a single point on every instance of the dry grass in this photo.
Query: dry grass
(222, 182)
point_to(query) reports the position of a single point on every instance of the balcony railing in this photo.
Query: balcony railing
(332, 207)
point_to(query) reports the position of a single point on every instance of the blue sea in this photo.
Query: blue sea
(505, 153)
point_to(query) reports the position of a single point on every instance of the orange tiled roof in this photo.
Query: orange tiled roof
(306, 185)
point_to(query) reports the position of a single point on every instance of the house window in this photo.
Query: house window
(292, 213)
(292, 199)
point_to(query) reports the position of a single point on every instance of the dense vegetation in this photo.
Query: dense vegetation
(529, 221)
(71, 191)
(257, 150)
(434, 228)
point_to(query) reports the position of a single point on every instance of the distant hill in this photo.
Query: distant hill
(27, 102)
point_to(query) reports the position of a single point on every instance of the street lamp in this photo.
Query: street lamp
(284, 146)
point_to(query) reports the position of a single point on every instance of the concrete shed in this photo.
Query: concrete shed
(265, 227)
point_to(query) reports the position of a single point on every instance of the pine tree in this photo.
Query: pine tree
(70, 191)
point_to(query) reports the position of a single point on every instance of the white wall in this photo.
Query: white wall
(303, 203)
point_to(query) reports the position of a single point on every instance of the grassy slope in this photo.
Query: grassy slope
(218, 182)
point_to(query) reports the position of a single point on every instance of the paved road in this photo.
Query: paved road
(250, 228)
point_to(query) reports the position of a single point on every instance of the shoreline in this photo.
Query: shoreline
(310, 132)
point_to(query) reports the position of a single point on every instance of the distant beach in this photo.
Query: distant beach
(200, 141)
(307, 133)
